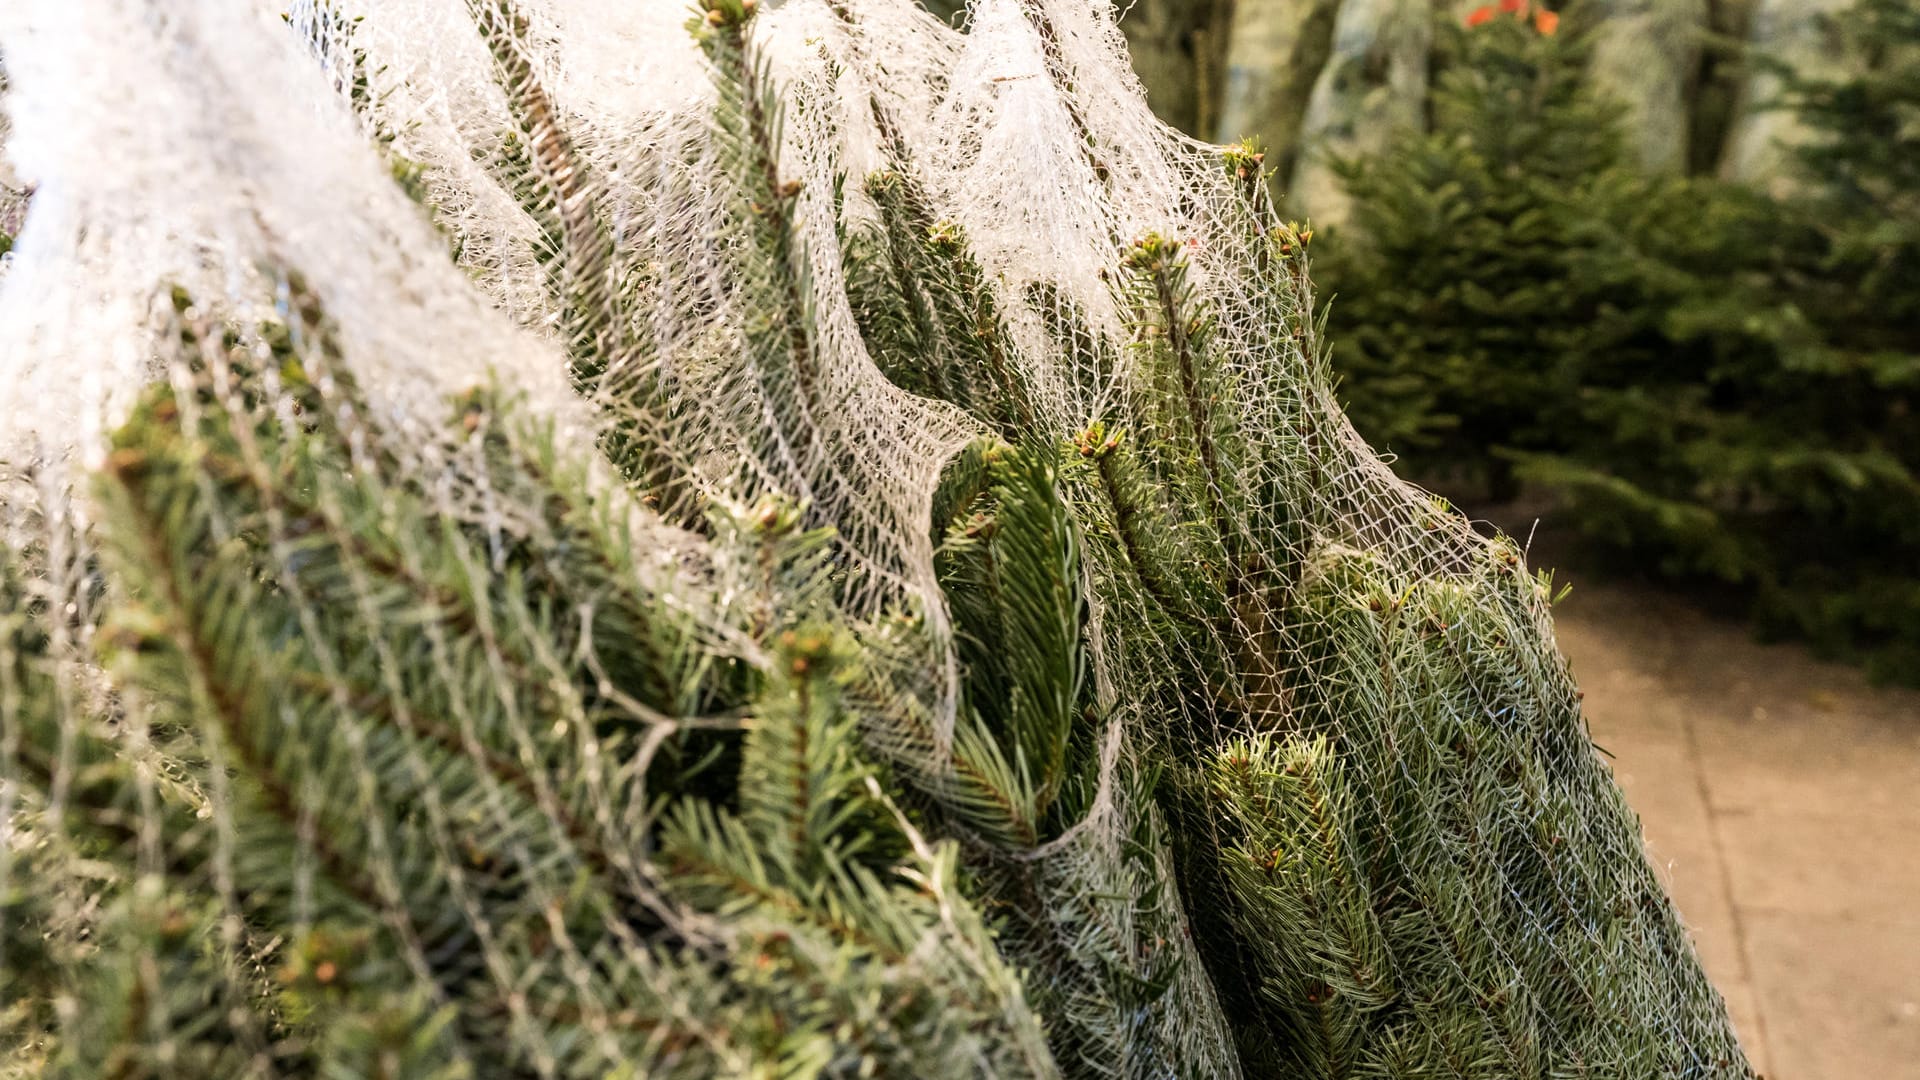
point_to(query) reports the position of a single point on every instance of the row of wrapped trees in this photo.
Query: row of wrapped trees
(554, 539)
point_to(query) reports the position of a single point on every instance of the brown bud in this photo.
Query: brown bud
(127, 462)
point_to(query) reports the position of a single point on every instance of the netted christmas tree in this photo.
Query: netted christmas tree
(556, 538)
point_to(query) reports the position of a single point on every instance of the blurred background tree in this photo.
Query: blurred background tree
(1457, 277)
(1698, 80)
(1657, 262)
(1712, 380)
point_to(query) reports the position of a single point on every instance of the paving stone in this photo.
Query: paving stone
(1779, 800)
(1840, 994)
(1824, 862)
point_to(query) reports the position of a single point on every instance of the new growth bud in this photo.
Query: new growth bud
(775, 516)
(808, 652)
(945, 235)
(1154, 253)
(1096, 442)
(1244, 159)
(728, 13)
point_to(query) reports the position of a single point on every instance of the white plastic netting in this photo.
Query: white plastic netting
(340, 304)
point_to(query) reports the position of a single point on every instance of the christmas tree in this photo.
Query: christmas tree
(1713, 383)
(829, 550)
(1862, 182)
(1461, 270)
(1745, 391)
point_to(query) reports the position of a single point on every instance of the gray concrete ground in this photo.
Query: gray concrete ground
(1781, 798)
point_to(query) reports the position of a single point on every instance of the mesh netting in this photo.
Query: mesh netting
(548, 540)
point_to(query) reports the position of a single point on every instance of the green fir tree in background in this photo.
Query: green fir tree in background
(1456, 285)
(1745, 400)
(1713, 383)
(1863, 171)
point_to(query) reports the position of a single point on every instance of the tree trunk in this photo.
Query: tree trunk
(1180, 51)
(1372, 90)
(1277, 50)
(1794, 33)
(1646, 56)
(1316, 78)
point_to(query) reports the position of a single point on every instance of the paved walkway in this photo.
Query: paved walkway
(1781, 797)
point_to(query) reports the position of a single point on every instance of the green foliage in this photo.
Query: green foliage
(1715, 384)
(1348, 739)
(591, 277)
(342, 683)
(1012, 574)
(1384, 940)
(932, 321)
(1456, 291)
(1865, 160)
(1863, 302)
(1729, 428)
(1744, 395)
(1028, 753)
(429, 746)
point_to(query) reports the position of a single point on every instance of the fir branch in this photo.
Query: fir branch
(1060, 74)
(564, 195)
(1132, 513)
(956, 318)
(748, 127)
(589, 276)
(1155, 266)
(1174, 330)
